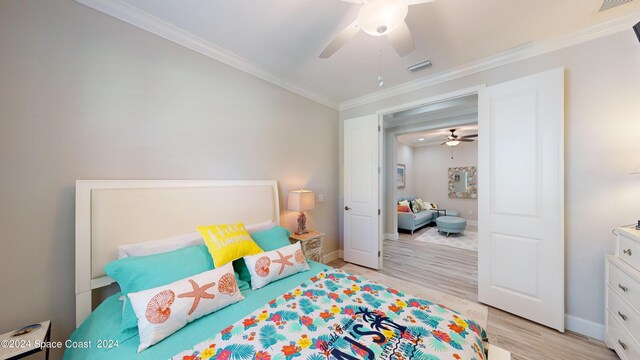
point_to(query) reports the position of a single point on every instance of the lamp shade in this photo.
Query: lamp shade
(301, 200)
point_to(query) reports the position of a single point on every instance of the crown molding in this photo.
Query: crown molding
(523, 52)
(145, 21)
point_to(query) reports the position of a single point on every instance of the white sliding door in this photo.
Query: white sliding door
(521, 197)
(361, 188)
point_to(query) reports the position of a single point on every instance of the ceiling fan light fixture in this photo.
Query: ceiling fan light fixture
(380, 17)
(452, 142)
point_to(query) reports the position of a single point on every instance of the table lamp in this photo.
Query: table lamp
(301, 200)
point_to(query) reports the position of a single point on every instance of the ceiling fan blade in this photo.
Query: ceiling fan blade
(342, 38)
(469, 136)
(465, 140)
(412, 2)
(401, 39)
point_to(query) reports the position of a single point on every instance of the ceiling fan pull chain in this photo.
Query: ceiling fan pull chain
(380, 79)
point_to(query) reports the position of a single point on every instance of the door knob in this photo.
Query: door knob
(347, 208)
(628, 252)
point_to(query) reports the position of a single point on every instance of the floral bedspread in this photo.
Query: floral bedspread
(336, 315)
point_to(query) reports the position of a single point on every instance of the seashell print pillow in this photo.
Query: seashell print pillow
(163, 310)
(274, 265)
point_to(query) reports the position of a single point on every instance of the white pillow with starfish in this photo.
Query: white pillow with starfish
(274, 265)
(163, 310)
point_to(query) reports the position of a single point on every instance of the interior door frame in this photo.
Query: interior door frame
(389, 172)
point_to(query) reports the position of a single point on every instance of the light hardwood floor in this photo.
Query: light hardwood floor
(455, 271)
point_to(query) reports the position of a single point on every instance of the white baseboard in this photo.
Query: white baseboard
(584, 327)
(331, 256)
(472, 223)
(393, 236)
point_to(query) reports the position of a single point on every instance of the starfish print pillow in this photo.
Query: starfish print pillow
(163, 310)
(274, 265)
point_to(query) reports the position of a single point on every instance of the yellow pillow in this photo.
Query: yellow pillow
(228, 242)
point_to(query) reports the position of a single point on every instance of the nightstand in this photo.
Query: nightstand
(17, 347)
(622, 302)
(311, 244)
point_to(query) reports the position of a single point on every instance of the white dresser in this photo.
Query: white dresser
(622, 320)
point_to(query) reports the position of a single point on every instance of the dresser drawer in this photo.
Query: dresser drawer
(623, 284)
(625, 314)
(629, 251)
(625, 346)
(312, 244)
(314, 255)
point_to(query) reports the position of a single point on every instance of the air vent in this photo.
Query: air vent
(419, 66)
(610, 4)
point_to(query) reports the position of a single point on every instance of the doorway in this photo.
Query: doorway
(414, 247)
(521, 193)
(416, 134)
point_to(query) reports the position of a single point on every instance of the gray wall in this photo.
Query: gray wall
(85, 96)
(602, 123)
(431, 175)
(405, 156)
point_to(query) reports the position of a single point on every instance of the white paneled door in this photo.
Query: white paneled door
(361, 191)
(521, 197)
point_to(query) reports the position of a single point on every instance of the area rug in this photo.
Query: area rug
(467, 239)
(471, 310)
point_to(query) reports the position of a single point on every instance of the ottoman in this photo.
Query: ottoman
(451, 224)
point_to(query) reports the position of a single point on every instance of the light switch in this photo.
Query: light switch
(320, 197)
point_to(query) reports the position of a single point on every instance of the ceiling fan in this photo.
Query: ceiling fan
(379, 18)
(454, 140)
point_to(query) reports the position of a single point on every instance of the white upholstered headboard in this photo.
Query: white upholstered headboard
(117, 212)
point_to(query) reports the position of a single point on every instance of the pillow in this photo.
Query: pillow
(415, 207)
(403, 203)
(422, 205)
(403, 208)
(138, 273)
(265, 225)
(160, 245)
(275, 265)
(267, 240)
(228, 242)
(177, 242)
(431, 206)
(163, 310)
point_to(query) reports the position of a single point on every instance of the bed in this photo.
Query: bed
(321, 313)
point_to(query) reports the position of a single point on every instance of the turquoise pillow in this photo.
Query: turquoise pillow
(137, 273)
(268, 240)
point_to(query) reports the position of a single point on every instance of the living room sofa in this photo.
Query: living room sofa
(412, 221)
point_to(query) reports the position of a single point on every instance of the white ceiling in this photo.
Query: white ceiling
(282, 38)
(436, 137)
